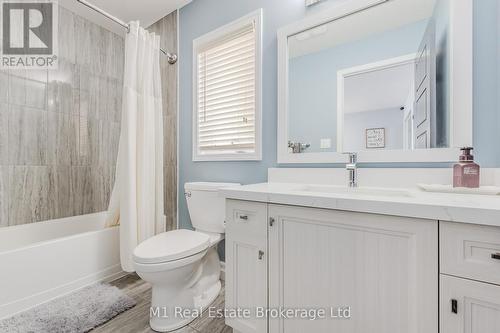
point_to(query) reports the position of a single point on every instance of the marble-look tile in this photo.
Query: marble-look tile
(4, 196)
(62, 139)
(82, 191)
(98, 142)
(170, 139)
(27, 136)
(66, 34)
(84, 78)
(83, 41)
(62, 98)
(90, 137)
(39, 75)
(59, 196)
(101, 187)
(4, 87)
(100, 38)
(27, 92)
(170, 196)
(93, 103)
(113, 100)
(4, 125)
(28, 194)
(116, 52)
(66, 73)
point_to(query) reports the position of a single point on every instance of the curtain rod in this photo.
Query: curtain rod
(171, 57)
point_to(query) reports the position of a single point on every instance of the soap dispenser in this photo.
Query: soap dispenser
(466, 172)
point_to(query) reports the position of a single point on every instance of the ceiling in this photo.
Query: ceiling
(377, 90)
(146, 11)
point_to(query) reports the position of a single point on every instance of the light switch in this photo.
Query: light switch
(326, 143)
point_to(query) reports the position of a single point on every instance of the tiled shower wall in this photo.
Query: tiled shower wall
(167, 29)
(59, 129)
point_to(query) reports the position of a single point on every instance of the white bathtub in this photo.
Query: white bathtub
(44, 260)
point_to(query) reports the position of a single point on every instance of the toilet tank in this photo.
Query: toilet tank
(206, 207)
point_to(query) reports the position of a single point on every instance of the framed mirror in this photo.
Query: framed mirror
(388, 79)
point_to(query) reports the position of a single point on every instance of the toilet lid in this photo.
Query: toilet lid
(171, 245)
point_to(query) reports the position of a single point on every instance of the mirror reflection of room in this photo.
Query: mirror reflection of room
(380, 85)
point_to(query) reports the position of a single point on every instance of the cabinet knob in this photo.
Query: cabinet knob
(454, 306)
(271, 221)
(495, 256)
(261, 255)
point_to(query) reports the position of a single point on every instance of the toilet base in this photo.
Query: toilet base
(189, 289)
(201, 302)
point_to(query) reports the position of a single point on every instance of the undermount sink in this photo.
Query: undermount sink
(369, 191)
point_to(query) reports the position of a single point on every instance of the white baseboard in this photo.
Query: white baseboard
(223, 271)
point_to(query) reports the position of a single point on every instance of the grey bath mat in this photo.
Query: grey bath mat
(74, 313)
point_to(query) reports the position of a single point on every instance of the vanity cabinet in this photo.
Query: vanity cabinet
(469, 306)
(379, 271)
(470, 278)
(246, 265)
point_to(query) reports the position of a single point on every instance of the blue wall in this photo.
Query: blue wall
(202, 16)
(313, 80)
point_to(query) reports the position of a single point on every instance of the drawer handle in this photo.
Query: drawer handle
(495, 256)
(244, 217)
(454, 306)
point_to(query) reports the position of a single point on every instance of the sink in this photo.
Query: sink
(367, 191)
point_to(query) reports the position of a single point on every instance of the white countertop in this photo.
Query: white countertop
(465, 208)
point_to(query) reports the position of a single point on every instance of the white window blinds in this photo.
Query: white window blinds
(226, 94)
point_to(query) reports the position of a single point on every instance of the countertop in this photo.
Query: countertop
(465, 208)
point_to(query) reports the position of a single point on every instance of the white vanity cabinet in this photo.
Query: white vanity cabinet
(384, 268)
(470, 278)
(246, 264)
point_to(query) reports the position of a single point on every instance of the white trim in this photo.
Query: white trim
(461, 72)
(257, 17)
(357, 70)
(461, 90)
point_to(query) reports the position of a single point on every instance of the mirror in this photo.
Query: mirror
(377, 79)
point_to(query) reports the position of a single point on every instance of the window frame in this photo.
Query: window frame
(203, 42)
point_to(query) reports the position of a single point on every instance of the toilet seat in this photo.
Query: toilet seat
(171, 246)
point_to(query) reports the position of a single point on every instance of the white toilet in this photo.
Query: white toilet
(183, 266)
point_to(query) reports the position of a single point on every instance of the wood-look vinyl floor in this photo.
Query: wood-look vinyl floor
(136, 320)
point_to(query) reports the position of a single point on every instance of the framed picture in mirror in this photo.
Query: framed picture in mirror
(375, 138)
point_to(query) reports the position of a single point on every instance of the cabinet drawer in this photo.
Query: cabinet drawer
(470, 251)
(246, 219)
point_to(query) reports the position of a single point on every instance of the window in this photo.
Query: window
(227, 92)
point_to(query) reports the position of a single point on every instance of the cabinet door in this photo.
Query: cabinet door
(384, 269)
(469, 306)
(246, 264)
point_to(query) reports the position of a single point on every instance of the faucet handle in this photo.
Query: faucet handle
(353, 157)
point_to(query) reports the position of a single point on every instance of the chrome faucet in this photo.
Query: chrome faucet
(352, 169)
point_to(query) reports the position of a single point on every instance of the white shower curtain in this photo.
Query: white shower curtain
(137, 198)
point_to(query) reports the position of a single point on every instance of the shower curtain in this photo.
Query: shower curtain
(137, 198)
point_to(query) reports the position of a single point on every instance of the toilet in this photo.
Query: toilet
(183, 266)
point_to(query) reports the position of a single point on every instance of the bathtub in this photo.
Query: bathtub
(41, 261)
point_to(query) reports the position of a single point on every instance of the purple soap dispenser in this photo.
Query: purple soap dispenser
(466, 172)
